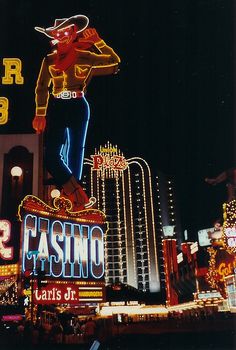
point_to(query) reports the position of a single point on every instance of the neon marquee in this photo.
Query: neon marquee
(6, 252)
(229, 226)
(62, 243)
(64, 249)
(59, 293)
(225, 269)
(114, 162)
(108, 149)
(230, 234)
(12, 75)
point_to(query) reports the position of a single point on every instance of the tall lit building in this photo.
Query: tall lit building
(125, 191)
(167, 222)
(139, 205)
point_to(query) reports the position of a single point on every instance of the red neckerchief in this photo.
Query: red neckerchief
(64, 60)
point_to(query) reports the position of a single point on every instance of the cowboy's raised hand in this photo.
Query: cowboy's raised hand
(39, 124)
(90, 34)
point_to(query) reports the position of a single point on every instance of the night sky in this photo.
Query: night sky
(172, 101)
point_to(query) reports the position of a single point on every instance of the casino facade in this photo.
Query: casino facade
(139, 208)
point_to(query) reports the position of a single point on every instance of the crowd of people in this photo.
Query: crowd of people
(68, 332)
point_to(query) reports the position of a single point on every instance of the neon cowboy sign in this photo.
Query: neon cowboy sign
(62, 243)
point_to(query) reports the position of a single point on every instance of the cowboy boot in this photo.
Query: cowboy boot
(80, 193)
(75, 193)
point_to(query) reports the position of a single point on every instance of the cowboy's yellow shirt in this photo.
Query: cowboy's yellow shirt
(76, 77)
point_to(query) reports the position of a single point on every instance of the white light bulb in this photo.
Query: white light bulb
(55, 193)
(16, 171)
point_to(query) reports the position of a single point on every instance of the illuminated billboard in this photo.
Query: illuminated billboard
(69, 293)
(221, 265)
(204, 238)
(62, 243)
(6, 251)
(168, 230)
(229, 227)
(9, 242)
(12, 75)
(113, 162)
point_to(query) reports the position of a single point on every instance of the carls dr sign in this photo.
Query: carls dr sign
(69, 293)
(62, 243)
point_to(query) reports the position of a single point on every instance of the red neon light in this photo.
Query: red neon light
(6, 253)
(11, 318)
(68, 293)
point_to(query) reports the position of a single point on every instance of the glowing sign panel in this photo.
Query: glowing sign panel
(12, 75)
(225, 269)
(229, 227)
(222, 264)
(230, 234)
(209, 295)
(68, 294)
(6, 252)
(67, 246)
(115, 162)
(4, 104)
(203, 236)
(65, 249)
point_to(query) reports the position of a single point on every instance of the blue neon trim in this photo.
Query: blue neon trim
(55, 261)
(83, 270)
(93, 263)
(66, 240)
(65, 148)
(84, 138)
(25, 257)
(64, 151)
(55, 237)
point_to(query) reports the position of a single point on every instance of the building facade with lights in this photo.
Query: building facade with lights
(18, 152)
(137, 205)
(139, 208)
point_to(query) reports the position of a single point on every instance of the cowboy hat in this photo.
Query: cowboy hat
(80, 21)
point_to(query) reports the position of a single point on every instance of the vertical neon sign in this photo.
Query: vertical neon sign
(6, 253)
(13, 74)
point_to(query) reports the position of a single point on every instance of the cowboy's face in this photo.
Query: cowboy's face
(65, 36)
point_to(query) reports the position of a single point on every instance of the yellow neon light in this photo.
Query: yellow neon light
(226, 269)
(108, 149)
(229, 226)
(13, 68)
(75, 77)
(8, 270)
(91, 294)
(4, 104)
(55, 212)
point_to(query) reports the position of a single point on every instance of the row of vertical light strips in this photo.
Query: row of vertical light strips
(107, 175)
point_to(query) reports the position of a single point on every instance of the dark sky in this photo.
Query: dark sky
(172, 101)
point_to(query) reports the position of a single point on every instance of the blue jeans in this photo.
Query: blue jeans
(66, 130)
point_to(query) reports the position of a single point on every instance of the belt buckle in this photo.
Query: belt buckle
(65, 94)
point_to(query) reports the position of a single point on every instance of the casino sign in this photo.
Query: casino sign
(221, 265)
(64, 245)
